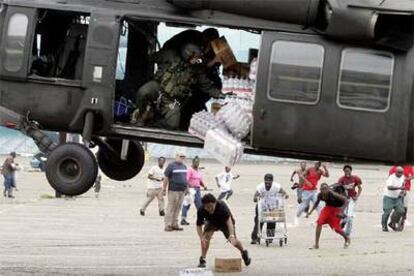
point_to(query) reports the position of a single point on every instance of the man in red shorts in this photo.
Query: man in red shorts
(330, 214)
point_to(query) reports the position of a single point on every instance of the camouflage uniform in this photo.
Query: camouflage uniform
(172, 87)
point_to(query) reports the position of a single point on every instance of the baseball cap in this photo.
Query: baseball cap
(180, 153)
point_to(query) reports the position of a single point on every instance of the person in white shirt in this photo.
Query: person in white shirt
(393, 190)
(224, 181)
(154, 187)
(269, 193)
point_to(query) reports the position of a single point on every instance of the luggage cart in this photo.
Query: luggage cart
(268, 214)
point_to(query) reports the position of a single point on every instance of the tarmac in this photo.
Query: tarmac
(42, 235)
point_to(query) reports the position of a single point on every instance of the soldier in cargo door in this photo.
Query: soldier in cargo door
(171, 88)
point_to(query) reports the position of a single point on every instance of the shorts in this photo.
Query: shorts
(208, 227)
(329, 215)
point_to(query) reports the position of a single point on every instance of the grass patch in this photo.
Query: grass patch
(46, 196)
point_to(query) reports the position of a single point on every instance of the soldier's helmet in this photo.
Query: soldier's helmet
(190, 51)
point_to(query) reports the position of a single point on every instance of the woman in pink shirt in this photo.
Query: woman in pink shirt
(195, 182)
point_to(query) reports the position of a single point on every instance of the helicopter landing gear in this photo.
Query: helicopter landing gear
(120, 159)
(71, 169)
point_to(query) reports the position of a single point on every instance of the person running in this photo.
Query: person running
(299, 181)
(154, 189)
(216, 216)
(330, 214)
(195, 183)
(8, 171)
(224, 181)
(409, 175)
(269, 193)
(393, 191)
(352, 185)
(310, 188)
(175, 181)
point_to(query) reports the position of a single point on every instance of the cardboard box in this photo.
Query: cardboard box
(223, 52)
(277, 215)
(227, 265)
(239, 69)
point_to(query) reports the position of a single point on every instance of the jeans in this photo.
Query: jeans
(197, 202)
(8, 184)
(390, 204)
(299, 192)
(225, 195)
(307, 198)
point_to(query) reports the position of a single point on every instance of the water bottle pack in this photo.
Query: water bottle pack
(237, 115)
(223, 146)
(237, 85)
(222, 133)
(202, 121)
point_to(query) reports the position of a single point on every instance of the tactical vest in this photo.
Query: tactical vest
(176, 80)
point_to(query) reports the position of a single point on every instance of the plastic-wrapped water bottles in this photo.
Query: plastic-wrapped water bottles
(223, 146)
(226, 83)
(237, 115)
(223, 132)
(202, 121)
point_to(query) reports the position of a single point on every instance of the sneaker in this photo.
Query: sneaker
(246, 259)
(142, 212)
(392, 226)
(184, 222)
(347, 243)
(202, 262)
(168, 229)
(176, 228)
(254, 242)
(385, 229)
(162, 213)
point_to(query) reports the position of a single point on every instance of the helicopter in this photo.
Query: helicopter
(335, 78)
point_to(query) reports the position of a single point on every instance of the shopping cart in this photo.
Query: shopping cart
(271, 212)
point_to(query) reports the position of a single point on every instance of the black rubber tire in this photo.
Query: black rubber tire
(71, 169)
(267, 243)
(118, 169)
(281, 243)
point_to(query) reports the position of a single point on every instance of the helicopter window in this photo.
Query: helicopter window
(296, 72)
(15, 42)
(365, 80)
(59, 45)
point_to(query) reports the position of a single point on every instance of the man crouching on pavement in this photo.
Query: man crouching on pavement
(330, 214)
(216, 216)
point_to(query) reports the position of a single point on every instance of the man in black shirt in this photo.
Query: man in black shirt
(330, 214)
(216, 216)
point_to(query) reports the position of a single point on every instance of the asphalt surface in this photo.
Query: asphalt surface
(107, 236)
